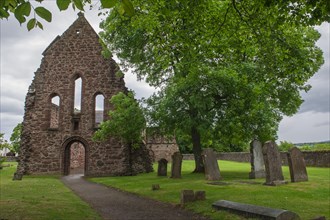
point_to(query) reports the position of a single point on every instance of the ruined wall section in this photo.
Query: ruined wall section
(161, 147)
(77, 53)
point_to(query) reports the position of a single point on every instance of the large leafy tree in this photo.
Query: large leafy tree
(126, 122)
(227, 70)
(15, 138)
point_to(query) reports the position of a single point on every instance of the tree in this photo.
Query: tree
(21, 9)
(15, 138)
(4, 143)
(227, 70)
(126, 122)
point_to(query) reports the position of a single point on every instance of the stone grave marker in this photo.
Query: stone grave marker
(155, 187)
(162, 167)
(176, 165)
(17, 176)
(200, 195)
(187, 196)
(257, 160)
(272, 158)
(212, 171)
(298, 172)
(253, 211)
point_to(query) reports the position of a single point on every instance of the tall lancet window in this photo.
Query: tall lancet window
(77, 95)
(99, 110)
(55, 112)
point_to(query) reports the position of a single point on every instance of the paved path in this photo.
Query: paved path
(117, 205)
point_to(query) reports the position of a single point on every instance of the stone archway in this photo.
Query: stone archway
(75, 156)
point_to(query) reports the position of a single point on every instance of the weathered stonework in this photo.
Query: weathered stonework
(160, 147)
(46, 143)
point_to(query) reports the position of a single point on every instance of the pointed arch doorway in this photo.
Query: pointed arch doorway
(75, 156)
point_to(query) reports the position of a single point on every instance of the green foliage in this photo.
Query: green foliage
(285, 146)
(40, 197)
(4, 143)
(316, 147)
(15, 138)
(2, 160)
(126, 121)
(307, 199)
(22, 9)
(227, 70)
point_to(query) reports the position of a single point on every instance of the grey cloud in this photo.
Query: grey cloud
(326, 123)
(11, 106)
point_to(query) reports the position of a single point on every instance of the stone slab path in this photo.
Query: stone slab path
(113, 204)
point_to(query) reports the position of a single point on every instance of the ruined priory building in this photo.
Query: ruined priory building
(53, 121)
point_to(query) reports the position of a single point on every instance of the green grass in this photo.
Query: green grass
(39, 197)
(308, 199)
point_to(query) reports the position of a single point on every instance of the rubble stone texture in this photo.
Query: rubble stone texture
(161, 147)
(48, 131)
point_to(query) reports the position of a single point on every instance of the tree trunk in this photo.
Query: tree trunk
(197, 150)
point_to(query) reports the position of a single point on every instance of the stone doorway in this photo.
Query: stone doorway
(75, 158)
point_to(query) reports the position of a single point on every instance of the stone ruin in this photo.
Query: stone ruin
(159, 146)
(52, 129)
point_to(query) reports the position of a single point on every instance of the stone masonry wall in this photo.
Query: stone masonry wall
(312, 158)
(45, 149)
(161, 147)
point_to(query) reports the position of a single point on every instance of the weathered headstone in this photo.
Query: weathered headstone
(212, 171)
(155, 187)
(272, 158)
(257, 160)
(187, 196)
(200, 195)
(162, 167)
(298, 172)
(176, 165)
(17, 176)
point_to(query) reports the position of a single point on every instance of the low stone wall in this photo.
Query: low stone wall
(10, 159)
(312, 158)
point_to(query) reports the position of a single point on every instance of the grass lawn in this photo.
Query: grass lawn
(39, 197)
(308, 199)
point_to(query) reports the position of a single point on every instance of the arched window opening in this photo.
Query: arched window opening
(55, 112)
(99, 109)
(77, 95)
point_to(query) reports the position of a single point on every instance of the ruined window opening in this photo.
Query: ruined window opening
(77, 95)
(99, 110)
(77, 31)
(55, 112)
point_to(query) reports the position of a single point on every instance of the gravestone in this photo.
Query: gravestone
(212, 171)
(257, 160)
(162, 167)
(187, 196)
(272, 158)
(176, 165)
(155, 187)
(253, 211)
(200, 195)
(17, 176)
(298, 172)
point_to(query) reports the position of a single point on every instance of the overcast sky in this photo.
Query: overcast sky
(21, 53)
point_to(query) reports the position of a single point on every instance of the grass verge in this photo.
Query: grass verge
(39, 197)
(308, 199)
